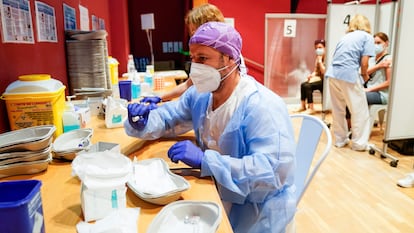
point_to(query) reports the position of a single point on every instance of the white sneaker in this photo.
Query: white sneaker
(342, 144)
(407, 182)
(360, 148)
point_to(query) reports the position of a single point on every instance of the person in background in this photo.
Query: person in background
(349, 62)
(314, 80)
(194, 19)
(379, 71)
(295, 77)
(243, 133)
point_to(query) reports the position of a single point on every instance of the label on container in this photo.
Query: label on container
(28, 114)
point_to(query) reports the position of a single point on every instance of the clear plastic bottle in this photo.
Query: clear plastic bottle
(136, 86)
(71, 119)
(148, 78)
(131, 64)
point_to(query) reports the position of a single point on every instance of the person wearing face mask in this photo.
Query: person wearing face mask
(349, 64)
(379, 71)
(243, 133)
(195, 18)
(314, 80)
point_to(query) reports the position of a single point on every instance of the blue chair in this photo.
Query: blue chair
(308, 156)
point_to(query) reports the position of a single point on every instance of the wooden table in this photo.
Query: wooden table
(61, 192)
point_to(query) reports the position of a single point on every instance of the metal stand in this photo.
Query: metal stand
(383, 153)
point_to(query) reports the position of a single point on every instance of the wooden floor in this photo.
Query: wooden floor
(357, 192)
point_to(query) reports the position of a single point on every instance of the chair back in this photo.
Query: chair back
(307, 142)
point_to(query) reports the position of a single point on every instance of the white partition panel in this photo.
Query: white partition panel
(387, 21)
(289, 46)
(400, 113)
(338, 19)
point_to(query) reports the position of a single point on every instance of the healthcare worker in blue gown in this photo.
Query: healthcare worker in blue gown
(244, 135)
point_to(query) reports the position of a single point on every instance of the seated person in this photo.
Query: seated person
(244, 134)
(315, 79)
(379, 71)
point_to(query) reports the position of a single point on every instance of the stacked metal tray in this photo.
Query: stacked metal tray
(87, 61)
(26, 151)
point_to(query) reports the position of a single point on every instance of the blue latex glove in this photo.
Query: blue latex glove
(151, 100)
(187, 152)
(138, 114)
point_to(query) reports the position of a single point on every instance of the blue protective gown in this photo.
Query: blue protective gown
(255, 170)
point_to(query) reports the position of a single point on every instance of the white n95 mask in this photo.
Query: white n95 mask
(319, 51)
(379, 48)
(205, 78)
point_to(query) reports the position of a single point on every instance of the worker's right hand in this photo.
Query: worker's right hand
(138, 114)
(187, 152)
(151, 99)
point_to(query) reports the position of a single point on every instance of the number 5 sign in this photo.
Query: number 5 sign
(289, 29)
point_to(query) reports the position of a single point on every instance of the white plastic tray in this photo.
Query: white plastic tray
(68, 144)
(161, 198)
(187, 216)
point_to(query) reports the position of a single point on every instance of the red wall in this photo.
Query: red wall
(169, 26)
(249, 20)
(43, 57)
(119, 32)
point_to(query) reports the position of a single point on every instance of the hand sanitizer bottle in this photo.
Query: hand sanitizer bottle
(71, 119)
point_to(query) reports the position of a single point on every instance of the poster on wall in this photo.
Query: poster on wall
(290, 52)
(16, 21)
(95, 23)
(101, 24)
(84, 18)
(46, 22)
(69, 16)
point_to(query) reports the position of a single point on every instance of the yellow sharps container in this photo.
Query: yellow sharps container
(35, 100)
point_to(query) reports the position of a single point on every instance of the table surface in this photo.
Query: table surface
(60, 191)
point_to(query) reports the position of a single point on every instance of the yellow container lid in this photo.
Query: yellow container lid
(34, 83)
(34, 77)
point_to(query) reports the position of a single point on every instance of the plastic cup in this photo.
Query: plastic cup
(125, 90)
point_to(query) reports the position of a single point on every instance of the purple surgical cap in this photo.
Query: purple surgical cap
(220, 36)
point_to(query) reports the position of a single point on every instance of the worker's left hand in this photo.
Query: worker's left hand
(186, 152)
(151, 100)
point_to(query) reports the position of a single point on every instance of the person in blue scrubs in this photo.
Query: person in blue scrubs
(349, 65)
(244, 134)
